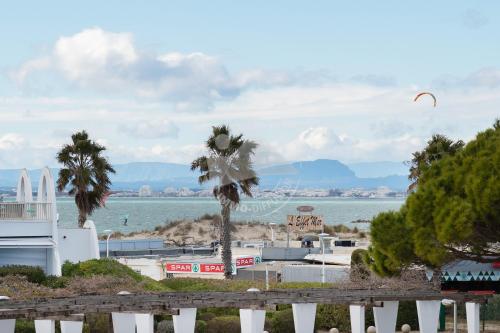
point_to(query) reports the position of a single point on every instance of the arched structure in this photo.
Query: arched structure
(46, 188)
(29, 231)
(24, 192)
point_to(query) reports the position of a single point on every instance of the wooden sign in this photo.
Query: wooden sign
(304, 222)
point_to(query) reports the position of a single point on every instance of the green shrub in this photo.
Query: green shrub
(25, 326)
(329, 316)
(109, 267)
(33, 274)
(282, 321)
(218, 312)
(407, 314)
(200, 327)
(359, 268)
(96, 323)
(206, 316)
(56, 282)
(492, 311)
(226, 324)
(165, 326)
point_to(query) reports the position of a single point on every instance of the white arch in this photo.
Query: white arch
(24, 191)
(46, 189)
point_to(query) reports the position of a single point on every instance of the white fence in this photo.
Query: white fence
(31, 211)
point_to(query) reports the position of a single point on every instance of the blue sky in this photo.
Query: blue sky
(321, 79)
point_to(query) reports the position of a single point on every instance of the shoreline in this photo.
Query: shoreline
(206, 229)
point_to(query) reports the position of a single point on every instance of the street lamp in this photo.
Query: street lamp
(109, 233)
(322, 244)
(273, 237)
(448, 302)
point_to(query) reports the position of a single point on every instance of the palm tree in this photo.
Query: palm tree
(86, 172)
(229, 164)
(437, 147)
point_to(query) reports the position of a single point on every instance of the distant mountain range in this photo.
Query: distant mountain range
(325, 174)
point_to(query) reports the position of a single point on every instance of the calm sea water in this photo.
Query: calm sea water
(146, 213)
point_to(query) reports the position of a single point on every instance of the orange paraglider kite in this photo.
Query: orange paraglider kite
(426, 93)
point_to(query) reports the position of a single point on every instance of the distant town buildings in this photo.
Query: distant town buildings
(380, 192)
(145, 191)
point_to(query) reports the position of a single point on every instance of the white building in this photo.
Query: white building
(145, 191)
(29, 232)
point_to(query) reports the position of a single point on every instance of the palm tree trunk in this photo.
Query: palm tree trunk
(226, 240)
(82, 217)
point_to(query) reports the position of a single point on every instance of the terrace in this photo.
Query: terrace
(28, 211)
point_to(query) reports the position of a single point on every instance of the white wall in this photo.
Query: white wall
(78, 244)
(147, 267)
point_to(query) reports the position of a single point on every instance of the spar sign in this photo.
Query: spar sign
(178, 267)
(196, 268)
(211, 268)
(248, 261)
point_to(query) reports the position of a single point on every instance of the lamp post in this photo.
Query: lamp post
(109, 233)
(273, 237)
(448, 302)
(322, 244)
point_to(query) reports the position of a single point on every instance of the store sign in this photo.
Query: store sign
(305, 222)
(212, 268)
(178, 267)
(196, 268)
(247, 261)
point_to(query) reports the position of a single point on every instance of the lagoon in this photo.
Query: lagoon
(146, 213)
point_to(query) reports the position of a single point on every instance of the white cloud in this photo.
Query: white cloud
(30, 66)
(101, 60)
(151, 129)
(11, 141)
(315, 138)
(94, 54)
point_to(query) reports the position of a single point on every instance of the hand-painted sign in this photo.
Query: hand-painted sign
(304, 222)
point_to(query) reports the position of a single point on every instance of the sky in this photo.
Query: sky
(306, 80)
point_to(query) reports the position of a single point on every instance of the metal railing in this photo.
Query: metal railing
(32, 211)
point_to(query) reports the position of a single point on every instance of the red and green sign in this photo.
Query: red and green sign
(210, 268)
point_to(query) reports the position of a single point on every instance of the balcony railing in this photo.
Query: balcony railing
(32, 211)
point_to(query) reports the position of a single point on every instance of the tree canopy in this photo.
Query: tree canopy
(86, 172)
(437, 147)
(453, 214)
